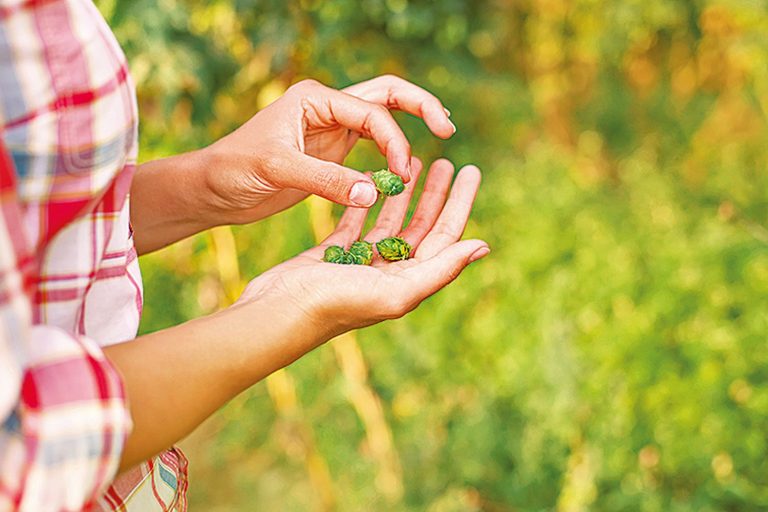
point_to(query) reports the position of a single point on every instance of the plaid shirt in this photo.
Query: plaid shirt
(69, 277)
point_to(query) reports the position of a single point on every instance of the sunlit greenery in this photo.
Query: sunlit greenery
(610, 354)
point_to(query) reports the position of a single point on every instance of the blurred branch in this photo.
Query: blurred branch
(225, 253)
(299, 441)
(579, 491)
(367, 404)
(759, 232)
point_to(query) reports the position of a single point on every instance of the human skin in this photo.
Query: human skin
(290, 149)
(303, 302)
(293, 308)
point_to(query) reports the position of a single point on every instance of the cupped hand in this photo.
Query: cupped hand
(337, 298)
(296, 146)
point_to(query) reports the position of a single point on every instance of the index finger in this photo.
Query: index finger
(396, 93)
(326, 107)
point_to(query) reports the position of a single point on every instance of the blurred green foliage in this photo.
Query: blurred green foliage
(608, 355)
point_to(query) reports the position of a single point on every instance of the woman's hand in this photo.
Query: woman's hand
(293, 308)
(337, 298)
(296, 145)
(292, 148)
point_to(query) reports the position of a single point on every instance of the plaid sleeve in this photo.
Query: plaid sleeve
(63, 413)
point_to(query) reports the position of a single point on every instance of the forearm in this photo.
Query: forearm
(177, 377)
(170, 200)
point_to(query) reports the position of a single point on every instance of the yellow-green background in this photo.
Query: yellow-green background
(611, 352)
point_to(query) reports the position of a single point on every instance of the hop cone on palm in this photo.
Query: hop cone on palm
(334, 254)
(361, 252)
(394, 249)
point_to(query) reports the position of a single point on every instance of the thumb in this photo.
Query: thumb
(332, 181)
(439, 271)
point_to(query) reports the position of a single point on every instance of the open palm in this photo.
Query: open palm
(343, 297)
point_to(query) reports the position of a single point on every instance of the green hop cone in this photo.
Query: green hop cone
(394, 249)
(334, 254)
(388, 183)
(347, 259)
(361, 252)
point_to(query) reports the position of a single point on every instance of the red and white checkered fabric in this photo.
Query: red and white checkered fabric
(69, 276)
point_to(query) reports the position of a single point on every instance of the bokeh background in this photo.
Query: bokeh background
(611, 352)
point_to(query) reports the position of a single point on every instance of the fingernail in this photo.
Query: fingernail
(447, 112)
(480, 253)
(399, 162)
(452, 126)
(363, 194)
(404, 164)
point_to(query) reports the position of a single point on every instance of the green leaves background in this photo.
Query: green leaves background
(608, 355)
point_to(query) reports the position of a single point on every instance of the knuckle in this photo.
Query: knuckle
(270, 161)
(391, 78)
(375, 118)
(328, 181)
(306, 85)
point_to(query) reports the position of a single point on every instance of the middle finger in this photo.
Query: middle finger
(396, 93)
(430, 203)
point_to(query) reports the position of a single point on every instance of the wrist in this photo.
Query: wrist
(267, 334)
(226, 177)
(169, 201)
(203, 195)
(210, 201)
(319, 311)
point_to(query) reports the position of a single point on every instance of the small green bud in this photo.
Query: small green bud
(346, 259)
(394, 249)
(388, 183)
(334, 254)
(362, 252)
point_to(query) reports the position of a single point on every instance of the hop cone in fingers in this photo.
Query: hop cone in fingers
(334, 254)
(388, 183)
(394, 249)
(361, 252)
